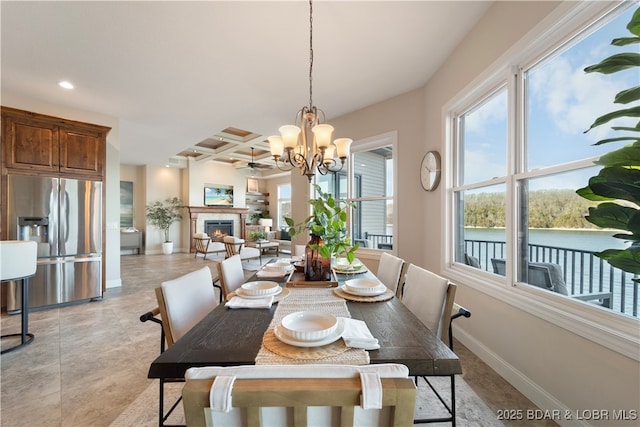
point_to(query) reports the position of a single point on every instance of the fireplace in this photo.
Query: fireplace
(217, 229)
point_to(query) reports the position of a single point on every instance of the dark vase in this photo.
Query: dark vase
(316, 267)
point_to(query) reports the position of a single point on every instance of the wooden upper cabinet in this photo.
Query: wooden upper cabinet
(45, 144)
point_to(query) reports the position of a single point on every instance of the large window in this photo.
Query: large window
(284, 205)
(520, 155)
(367, 180)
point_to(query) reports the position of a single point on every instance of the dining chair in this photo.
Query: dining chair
(431, 298)
(390, 270)
(182, 302)
(236, 246)
(231, 274)
(301, 395)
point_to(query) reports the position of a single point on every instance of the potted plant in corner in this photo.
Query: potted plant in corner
(161, 214)
(327, 226)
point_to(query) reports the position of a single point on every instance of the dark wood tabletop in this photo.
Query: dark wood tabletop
(229, 337)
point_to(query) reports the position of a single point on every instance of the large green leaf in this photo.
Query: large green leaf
(620, 174)
(624, 41)
(627, 112)
(624, 259)
(616, 191)
(611, 215)
(625, 156)
(615, 63)
(634, 25)
(618, 139)
(587, 193)
(628, 95)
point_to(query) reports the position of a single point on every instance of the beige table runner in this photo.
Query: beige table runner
(301, 299)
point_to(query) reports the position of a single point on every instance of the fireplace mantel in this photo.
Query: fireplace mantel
(194, 211)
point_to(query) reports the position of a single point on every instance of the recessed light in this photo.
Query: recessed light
(65, 84)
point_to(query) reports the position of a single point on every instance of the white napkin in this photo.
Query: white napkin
(239, 302)
(265, 273)
(357, 335)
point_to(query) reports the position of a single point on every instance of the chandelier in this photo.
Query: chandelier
(308, 146)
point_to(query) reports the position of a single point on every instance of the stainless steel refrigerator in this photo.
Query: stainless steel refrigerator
(64, 216)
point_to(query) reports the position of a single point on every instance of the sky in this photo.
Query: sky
(562, 102)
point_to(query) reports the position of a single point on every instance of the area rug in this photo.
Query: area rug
(471, 410)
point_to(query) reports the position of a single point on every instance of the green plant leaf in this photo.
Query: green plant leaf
(634, 25)
(624, 41)
(627, 112)
(616, 191)
(611, 215)
(628, 95)
(620, 138)
(587, 193)
(624, 259)
(625, 156)
(615, 63)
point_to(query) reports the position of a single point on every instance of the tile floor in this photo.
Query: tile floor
(90, 360)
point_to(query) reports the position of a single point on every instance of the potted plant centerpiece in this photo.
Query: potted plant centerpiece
(161, 214)
(327, 226)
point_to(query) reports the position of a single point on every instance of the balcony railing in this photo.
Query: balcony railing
(583, 272)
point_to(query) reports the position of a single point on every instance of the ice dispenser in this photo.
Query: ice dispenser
(35, 229)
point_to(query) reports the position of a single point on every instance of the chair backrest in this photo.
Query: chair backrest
(300, 395)
(499, 266)
(390, 270)
(231, 274)
(184, 301)
(430, 297)
(233, 245)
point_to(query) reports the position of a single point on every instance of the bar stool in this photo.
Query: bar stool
(18, 259)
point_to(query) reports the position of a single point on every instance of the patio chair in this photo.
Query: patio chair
(390, 270)
(301, 395)
(231, 274)
(182, 302)
(431, 298)
(548, 275)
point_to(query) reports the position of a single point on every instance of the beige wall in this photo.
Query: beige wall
(554, 367)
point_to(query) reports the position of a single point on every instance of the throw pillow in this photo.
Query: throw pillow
(284, 235)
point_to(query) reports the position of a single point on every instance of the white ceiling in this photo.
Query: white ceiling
(178, 73)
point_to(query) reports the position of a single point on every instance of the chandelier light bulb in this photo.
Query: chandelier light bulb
(322, 134)
(289, 135)
(342, 146)
(276, 144)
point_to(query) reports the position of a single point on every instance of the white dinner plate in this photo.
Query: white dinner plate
(324, 341)
(241, 293)
(277, 269)
(363, 294)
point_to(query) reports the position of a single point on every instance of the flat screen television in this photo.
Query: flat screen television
(218, 196)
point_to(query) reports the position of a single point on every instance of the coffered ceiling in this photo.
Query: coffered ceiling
(211, 79)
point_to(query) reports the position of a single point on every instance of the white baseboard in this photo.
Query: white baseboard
(540, 397)
(114, 283)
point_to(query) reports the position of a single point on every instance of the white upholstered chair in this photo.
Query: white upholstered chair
(390, 270)
(231, 274)
(300, 395)
(431, 298)
(184, 301)
(203, 245)
(236, 246)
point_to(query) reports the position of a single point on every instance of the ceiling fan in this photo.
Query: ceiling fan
(253, 165)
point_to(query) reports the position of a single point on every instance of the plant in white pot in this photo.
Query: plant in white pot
(162, 214)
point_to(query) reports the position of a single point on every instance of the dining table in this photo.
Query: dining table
(231, 337)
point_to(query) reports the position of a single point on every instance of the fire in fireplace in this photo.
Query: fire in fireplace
(217, 229)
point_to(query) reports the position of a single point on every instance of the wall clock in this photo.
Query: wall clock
(430, 171)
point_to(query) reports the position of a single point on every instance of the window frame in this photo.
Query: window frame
(280, 224)
(368, 144)
(603, 326)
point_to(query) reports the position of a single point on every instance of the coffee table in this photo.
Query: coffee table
(265, 246)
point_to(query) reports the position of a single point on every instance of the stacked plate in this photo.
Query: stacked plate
(309, 329)
(278, 267)
(343, 266)
(259, 289)
(364, 287)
